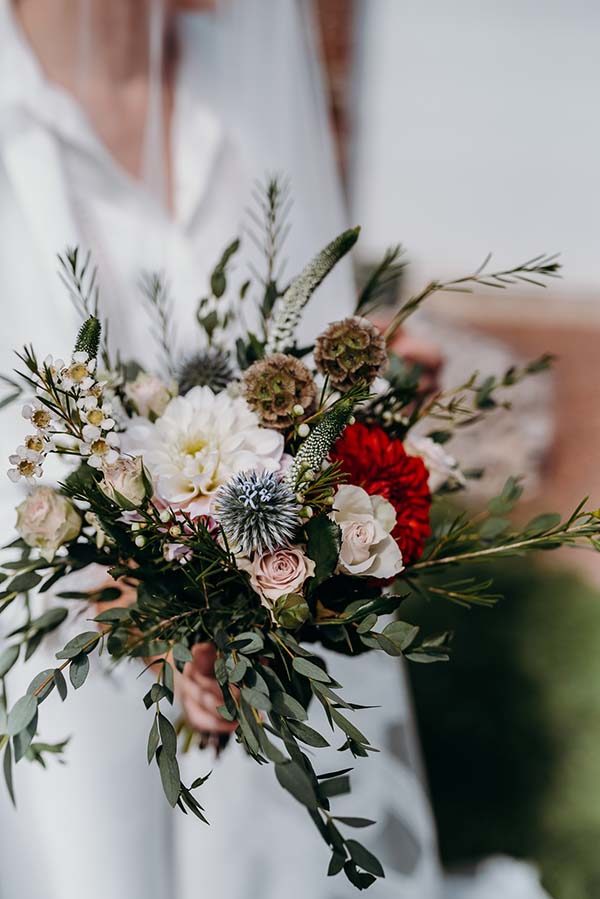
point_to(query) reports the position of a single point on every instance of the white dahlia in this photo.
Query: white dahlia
(199, 442)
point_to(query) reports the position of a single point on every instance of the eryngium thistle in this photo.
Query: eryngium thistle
(350, 351)
(273, 386)
(208, 368)
(258, 511)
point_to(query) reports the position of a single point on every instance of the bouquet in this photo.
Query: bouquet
(262, 496)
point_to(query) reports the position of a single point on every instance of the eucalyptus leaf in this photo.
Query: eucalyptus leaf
(8, 659)
(310, 670)
(81, 643)
(79, 670)
(23, 711)
(364, 859)
(293, 779)
(169, 775)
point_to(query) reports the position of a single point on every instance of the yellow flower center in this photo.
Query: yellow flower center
(96, 417)
(34, 443)
(78, 372)
(41, 418)
(26, 469)
(100, 447)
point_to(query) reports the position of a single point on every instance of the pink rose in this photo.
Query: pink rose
(280, 572)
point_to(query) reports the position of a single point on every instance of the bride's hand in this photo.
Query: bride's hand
(200, 693)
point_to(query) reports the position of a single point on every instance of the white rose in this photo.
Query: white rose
(442, 467)
(280, 572)
(150, 395)
(47, 520)
(366, 523)
(125, 476)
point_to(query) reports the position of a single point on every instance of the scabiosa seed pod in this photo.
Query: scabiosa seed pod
(274, 386)
(208, 368)
(350, 351)
(257, 511)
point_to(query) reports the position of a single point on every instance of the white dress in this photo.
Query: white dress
(100, 826)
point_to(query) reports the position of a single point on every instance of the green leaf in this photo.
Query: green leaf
(493, 528)
(248, 642)
(355, 822)
(21, 714)
(61, 684)
(293, 779)
(47, 677)
(336, 864)
(349, 729)
(79, 670)
(256, 698)
(239, 670)
(8, 659)
(307, 734)
(22, 583)
(167, 735)
(323, 546)
(401, 633)
(169, 775)
(22, 740)
(49, 620)
(291, 611)
(116, 614)
(287, 706)
(8, 771)
(81, 643)
(542, 523)
(310, 670)
(182, 654)
(364, 859)
(153, 740)
(367, 623)
(335, 786)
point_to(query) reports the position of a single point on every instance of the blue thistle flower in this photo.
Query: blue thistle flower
(258, 511)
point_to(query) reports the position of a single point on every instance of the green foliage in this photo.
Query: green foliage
(88, 337)
(288, 310)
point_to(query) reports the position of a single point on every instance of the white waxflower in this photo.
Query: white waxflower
(442, 467)
(100, 449)
(96, 417)
(25, 464)
(199, 442)
(38, 414)
(79, 374)
(366, 523)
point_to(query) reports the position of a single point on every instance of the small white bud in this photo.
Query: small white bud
(298, 409)
(303, 430)
(175, 531)
(165, 516)
(140, 541)
(135, 526)
(352, 420)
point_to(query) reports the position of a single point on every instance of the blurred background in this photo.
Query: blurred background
(465, 128)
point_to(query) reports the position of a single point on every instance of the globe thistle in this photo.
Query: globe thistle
(350, 351)
(275, 386)
(208, 368)
(258, 511)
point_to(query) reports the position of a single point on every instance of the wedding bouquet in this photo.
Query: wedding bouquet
(262, 496)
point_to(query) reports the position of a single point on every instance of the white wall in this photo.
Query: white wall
(478, 128)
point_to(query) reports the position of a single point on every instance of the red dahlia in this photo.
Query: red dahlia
(380, 465)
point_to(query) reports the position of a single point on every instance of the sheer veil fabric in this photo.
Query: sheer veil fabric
(250, 101)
